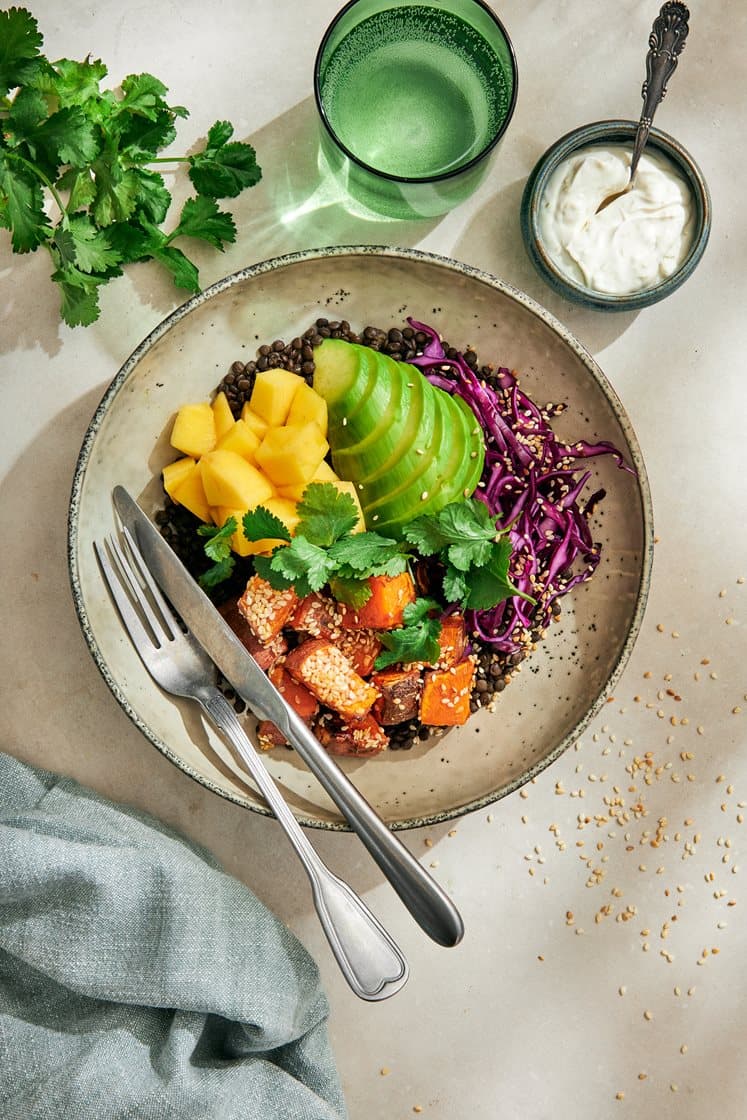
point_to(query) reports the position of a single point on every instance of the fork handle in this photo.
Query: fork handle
(370, 960)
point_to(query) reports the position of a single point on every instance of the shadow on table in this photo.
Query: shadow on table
(295, 206)
(492, 241)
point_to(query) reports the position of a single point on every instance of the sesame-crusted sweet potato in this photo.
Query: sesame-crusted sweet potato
(299, 697)
(384, 609)
(269, 735)
(328, 674)
(446, 695)
(356, 737)
(452, 640)
(265, 609)
(400, 695)
(264, 653)
(319, 616)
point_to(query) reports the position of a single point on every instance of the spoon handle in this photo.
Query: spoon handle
(666, 41)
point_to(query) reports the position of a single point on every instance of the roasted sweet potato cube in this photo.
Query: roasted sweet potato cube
(265, 609)
(299, 697)
(446, 695)
(384, 610)
(269, 736)
(361, 647)
(400, 695)
(452, 640)
(326, 671)
(356, 737)
(317, 615)
(264, 653)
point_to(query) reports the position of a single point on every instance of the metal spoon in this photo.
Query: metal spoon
(666, 42)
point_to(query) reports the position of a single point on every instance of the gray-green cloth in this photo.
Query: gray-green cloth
(138, 980)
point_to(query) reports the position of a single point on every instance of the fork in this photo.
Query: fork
(370, 961)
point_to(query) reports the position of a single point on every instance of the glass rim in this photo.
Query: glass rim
(416, 179)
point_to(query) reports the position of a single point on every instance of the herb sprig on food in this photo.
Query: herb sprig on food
(77, 170)
(463, 539)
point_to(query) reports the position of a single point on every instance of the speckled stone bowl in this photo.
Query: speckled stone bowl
(564, 682)
(603, 133)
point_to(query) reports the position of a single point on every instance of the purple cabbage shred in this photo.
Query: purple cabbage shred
(532, 482)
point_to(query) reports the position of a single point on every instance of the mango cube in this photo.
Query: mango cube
(231, 481)
(190, 493)
(283, 509)
(256, 423)
(308, 405)
(292, 454)
(323, 473)
(273, 393)
(194, 429)
(222, 415)
(239, 438)
(176, 472)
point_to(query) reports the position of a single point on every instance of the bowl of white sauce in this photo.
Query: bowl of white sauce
(633, 252)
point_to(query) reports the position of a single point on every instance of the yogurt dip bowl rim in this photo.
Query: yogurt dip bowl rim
(612, 132)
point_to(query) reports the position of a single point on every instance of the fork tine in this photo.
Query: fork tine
(127, 574)
(168, 619)
(140, 637)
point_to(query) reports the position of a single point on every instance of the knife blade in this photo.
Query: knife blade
(428, 904)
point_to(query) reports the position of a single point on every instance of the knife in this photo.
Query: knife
(429, 905)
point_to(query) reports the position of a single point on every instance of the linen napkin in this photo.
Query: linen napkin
(139, 980)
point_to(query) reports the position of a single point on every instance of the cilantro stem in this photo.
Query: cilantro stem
(168, 159)
(47, 182)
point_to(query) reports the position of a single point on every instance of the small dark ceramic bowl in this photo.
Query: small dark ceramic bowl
(612, 132)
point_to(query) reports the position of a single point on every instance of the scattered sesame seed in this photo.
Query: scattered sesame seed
(648, 1015)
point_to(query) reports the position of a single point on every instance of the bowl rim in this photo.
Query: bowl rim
(424, 180)
(398, 253)
(599, 132)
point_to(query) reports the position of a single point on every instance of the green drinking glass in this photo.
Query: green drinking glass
(413, 99)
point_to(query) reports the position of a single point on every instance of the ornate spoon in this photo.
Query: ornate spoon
(666, 42)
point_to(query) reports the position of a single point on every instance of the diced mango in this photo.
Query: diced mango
(190, 493)
(176, 472)
(308, 405)
(256, 423)
(285, 509)
(231, 481)
(273, 393)
(349, 488)
(323, 473)
(222, 415)
(241, 439)
(194, 429)
(292, 454)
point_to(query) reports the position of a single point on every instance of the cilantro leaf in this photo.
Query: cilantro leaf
(117, 190)
(217, 573)
(143, 94)
(141, 138)
(418, 610)
(325, 513)
(79, 296)
(201, 218)
(260, 524)
(455, 585)
(20, 43)
(307, 566)
(368, 554)
(85, 246)
(410, 644)
(153, 199)
(184, 273)
(217, 548)
(491, 584)
(74, 83)
(81, 187)
(351, 591)
(22, 206)
(263, 567)
(467, 526)
(223, 169)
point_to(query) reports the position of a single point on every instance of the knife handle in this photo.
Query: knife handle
(429, 905)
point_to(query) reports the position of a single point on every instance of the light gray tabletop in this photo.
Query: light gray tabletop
(602, 972)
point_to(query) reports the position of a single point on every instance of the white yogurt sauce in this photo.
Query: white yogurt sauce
(634, 243)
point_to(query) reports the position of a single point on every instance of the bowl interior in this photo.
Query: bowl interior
(603, 133)
(564, 681)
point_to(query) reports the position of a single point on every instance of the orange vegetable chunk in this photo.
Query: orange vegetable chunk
(385, 608)
(326, 671)
(446, 695)
(265, 609)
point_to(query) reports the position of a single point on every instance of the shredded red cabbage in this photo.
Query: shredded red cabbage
(531, 481)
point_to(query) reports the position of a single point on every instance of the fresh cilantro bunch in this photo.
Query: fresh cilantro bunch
(77, 177)
(472, 551)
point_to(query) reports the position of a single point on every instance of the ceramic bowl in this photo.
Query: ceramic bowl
(561, 685)
(604, 133)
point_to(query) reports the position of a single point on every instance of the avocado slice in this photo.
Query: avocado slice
(409, 447)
